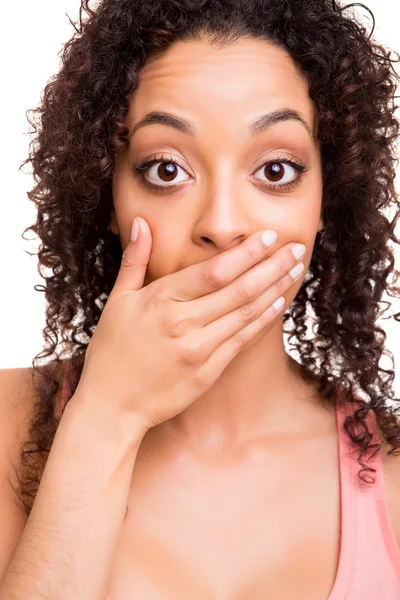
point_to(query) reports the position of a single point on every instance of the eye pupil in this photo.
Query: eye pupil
(166, 169)
(276, 170)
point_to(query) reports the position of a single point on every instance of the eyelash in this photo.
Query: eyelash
(141, 170)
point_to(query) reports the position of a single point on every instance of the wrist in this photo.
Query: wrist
(107, 419)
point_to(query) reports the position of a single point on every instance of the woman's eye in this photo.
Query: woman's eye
(280, 173)
(161, 172)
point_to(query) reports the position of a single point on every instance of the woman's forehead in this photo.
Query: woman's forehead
(245, 65)
(240, 82)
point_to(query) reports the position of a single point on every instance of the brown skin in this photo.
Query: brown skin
(218, 504)
(218, 491)
(238, 496)
(220, 200)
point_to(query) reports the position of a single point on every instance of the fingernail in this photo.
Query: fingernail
(296, 270)
(279, 303)
(135, 231)
(268, 237)
(298, 250)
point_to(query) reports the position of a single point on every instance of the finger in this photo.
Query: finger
(244, 289)
(217, 362)
(214, 273)
(235, 323)
(135, 260)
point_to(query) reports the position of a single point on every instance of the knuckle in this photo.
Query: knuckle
(278, 287)
(176, 327)
(184, 288)
(200, 378)
(248, 312)
(127, 259)
(282, 266)
(215, 276)
(253, 253)
(189, 353)
(243, 292)
(157, 295)
(159, 301)
(240, 339)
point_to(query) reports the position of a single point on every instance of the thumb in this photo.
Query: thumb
(135, 259)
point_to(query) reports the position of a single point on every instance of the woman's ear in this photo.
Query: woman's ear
(113, 223)
(320, 224)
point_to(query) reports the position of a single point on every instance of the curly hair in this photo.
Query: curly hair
(80, 127)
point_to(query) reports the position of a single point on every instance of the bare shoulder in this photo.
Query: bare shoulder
(16, 404)
(16, 412)
(15, 395)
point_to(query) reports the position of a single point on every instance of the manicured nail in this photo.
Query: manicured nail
(135, 231)
(298, 250)
(297, 269)
(279, 303)
(269, 237)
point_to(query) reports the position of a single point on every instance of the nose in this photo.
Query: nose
(224, 221)
(223, 238)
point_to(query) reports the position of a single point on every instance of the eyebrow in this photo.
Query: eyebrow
(260, 124)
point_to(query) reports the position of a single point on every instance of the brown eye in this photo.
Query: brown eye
(281, 173)
(278, 173)
(167, 171)
(157, 172)
(274, 171)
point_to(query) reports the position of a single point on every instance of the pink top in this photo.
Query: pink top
(369, 560)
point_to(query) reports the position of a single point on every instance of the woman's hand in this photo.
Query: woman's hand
(158, 348)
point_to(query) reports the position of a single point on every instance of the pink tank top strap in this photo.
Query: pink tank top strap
(370, 556)
(348, 533)
(381, 508)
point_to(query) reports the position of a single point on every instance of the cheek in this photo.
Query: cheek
(164, 257)
(308, 239)
(302, 228)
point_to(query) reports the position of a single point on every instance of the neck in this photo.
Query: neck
(260, 393)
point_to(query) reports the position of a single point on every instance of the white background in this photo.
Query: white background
(33, 34)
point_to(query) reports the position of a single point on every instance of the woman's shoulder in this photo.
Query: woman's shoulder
(17, 391)
(16, 397)
(17, 409)
(17, 403)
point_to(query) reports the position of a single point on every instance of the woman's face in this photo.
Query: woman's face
(217, 188)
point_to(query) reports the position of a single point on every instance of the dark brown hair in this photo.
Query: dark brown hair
(80, 126)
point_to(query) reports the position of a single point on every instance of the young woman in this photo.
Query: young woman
(188, 454)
